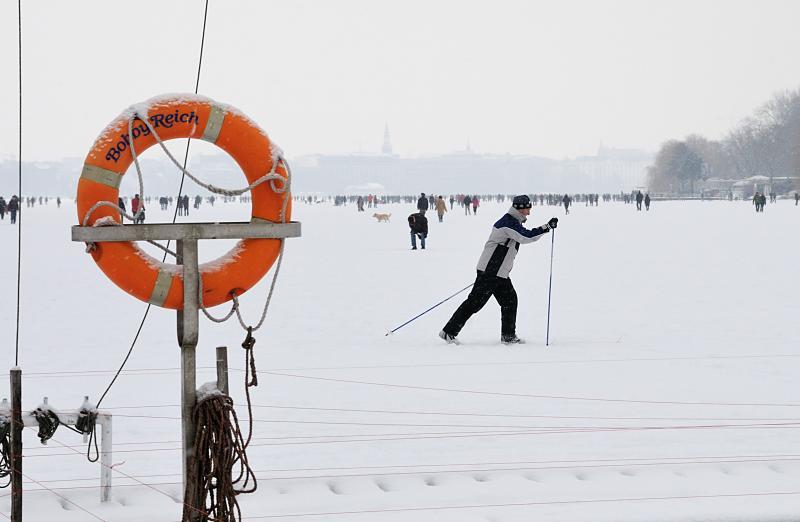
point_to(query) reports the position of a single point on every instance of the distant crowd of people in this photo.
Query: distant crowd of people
(13, 206)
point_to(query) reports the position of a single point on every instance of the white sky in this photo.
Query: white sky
(546, 78)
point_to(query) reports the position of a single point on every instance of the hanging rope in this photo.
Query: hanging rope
(285, 190)
(250, 378)
(218, 449)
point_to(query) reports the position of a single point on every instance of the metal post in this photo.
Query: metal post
(16, 444)
(222, 369)
(188, 321)
(105, 457)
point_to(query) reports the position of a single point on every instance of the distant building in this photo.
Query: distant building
(615, 169)
(611, 170)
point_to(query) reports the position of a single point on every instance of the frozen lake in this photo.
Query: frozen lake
(669, 391)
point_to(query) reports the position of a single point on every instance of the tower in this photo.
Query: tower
(387, 141)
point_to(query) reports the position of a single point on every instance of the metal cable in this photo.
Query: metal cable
(92, 435)
(19, 190)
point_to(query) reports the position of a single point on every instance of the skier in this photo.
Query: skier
(494, 267)
(2, 208)
(418, 224)
(647, 201)
(567, 201)
(13, 208)
(422, 203)
(441, 208)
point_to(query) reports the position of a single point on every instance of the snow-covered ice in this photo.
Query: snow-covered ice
(669, 391)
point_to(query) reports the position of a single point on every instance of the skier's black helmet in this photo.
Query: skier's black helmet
(522, 201)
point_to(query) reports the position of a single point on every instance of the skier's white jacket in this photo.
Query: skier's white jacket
(501, 248)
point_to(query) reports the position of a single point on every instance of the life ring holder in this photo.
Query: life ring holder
(154, 122)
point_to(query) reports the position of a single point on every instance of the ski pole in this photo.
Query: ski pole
(429, 309)
(550, 288)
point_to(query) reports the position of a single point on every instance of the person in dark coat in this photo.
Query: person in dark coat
(567, 201)
(639, 198)
(422, 204)
(647, 201)
(494, 267)
(418, 224)
(13, 208)
(467, 204)
(2, 208)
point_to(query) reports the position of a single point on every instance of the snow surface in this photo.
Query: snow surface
(669, 391)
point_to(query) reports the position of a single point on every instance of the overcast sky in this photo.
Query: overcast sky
(545, 78)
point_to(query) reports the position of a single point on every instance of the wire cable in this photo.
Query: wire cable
(19, 190)
(174, 218)
(537, 396)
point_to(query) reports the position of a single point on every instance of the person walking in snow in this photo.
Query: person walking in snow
(475, 204)
(137, 207)
(418, 224)
(467, 204)
(567, 201)
(453, 200)
(422, 203)
(647, 201)
(494, 267)
(13, 208)
(639, 198)
(441, 208)
(759, 202)
(2, 208)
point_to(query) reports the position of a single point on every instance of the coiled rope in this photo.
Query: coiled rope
(5, 449)
(218, 449)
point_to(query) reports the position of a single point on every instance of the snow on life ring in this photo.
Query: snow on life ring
(182, 116)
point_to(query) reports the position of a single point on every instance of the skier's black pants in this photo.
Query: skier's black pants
(485, 287)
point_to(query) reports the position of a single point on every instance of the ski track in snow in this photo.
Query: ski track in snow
(692, 302)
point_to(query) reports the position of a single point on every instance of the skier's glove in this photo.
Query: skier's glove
(553, 223)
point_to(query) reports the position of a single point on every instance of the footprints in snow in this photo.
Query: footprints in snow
(386, 485)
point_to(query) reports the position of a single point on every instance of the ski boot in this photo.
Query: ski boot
(450, 339)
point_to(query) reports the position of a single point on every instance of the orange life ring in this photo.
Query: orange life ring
(182, 116)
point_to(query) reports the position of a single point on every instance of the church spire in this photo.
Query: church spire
(387, 141)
